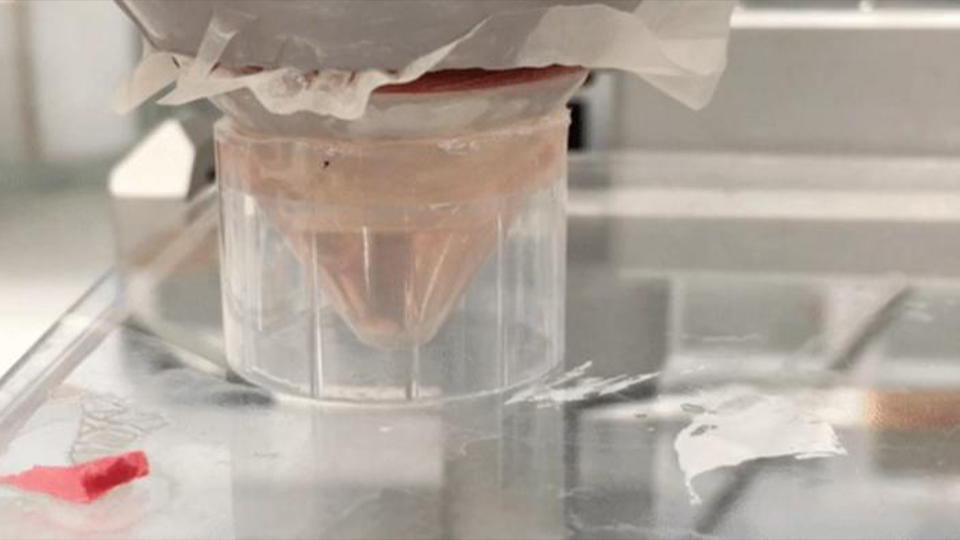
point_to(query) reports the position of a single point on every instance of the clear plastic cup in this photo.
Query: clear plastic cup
(403, 269)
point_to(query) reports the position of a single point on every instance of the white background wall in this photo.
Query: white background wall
(11, 125)
(65, 57)
(59, 63)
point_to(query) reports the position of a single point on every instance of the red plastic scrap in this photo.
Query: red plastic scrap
(84, 482)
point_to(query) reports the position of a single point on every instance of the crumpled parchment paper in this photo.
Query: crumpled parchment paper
(328, 57)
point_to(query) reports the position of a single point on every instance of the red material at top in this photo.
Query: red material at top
(453, 80)
(456, 80)
(82, 483)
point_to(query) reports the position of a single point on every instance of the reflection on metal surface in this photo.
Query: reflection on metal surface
(907, 205)
(834, 19)
(864, 335)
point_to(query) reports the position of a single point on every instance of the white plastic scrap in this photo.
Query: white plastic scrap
(573, 386)
(742, 425)
(109, 425)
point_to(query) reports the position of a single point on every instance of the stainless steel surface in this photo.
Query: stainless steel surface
(867, 341)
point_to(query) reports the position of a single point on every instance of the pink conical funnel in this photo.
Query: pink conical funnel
(395, 289)
(394, 230)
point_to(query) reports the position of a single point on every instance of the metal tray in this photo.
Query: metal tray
(756, 328)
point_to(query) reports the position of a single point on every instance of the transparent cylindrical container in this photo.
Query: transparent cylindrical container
(404, 269)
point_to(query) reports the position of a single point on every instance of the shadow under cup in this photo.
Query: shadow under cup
(405, 269)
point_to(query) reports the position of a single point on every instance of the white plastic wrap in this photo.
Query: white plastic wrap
(328, 57)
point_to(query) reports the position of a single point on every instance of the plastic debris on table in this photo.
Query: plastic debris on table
(84, 482)
(574, 385)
